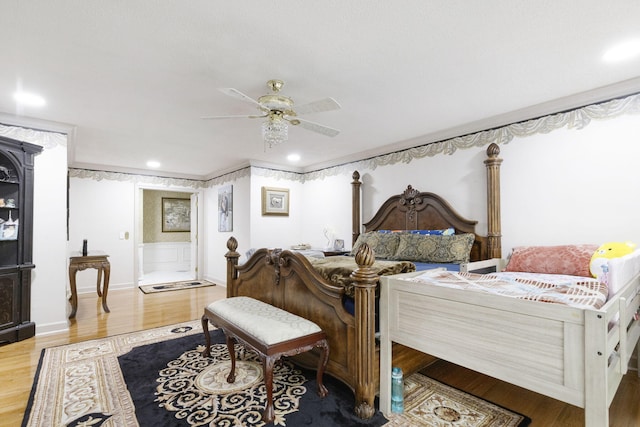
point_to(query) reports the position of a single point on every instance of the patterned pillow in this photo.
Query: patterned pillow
(436, 249)
(564, 259)
(384, 245)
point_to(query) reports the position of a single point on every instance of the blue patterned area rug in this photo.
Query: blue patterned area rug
(158, 377)
(173, 385)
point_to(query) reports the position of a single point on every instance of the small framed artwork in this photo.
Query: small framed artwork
(275, 201)
(225, 208)
(176, 215)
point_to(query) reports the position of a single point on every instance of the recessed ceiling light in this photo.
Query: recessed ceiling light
(623, 51)
(153, 164)
(29, 99)
(293, 157)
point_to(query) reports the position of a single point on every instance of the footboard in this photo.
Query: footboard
(286, 280)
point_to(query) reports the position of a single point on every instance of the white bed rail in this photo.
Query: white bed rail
(497, 263)
(591, 348)
(611, 334)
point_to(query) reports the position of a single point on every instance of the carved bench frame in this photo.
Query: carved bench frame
(269, 354)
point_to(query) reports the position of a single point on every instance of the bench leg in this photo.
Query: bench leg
(322, 364)
(268, 363)
(207, 338)
(232, 354)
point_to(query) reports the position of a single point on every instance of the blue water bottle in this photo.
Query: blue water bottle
(397, 391)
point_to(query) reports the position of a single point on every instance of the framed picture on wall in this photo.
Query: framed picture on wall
(275, 201)
(225, 208)
(176, 215)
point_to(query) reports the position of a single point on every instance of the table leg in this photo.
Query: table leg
(74, 292)
(99, 280)
(106, 266)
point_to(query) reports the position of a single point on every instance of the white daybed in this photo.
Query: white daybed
(574, 355)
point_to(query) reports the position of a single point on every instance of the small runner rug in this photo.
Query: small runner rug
(158, 377)
(174, 286)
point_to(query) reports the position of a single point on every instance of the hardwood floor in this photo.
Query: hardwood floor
(131, 310)
(543, 411)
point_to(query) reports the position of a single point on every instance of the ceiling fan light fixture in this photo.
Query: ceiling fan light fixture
(275, 130)
(280, 113)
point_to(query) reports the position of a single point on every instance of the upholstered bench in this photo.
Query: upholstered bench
(269, 331)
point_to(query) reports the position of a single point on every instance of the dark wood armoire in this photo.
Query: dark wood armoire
(16, 238)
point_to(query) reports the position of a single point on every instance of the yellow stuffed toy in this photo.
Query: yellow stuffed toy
(599, 261)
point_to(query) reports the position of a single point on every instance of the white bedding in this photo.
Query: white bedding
(579, 292)
(621, 270)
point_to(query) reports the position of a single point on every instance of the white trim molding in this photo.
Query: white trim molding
(43, 138)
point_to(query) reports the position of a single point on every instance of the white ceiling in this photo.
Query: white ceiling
(132, 79)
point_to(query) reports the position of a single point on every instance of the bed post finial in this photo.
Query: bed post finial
(355, 207)
(494, 232)
(365, 280)
(493, 150)
(365, 257)
(232, 244)
(232, 262)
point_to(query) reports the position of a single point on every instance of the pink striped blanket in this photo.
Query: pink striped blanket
(579, 292)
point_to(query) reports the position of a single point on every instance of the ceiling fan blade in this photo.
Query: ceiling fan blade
(233, 117)
(315, 127)
(235, 93)
(327, 104)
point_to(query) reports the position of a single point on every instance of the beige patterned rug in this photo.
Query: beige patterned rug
(431, 403)
(174, 286)
(158, 377)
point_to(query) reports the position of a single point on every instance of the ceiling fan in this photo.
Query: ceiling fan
(279, 112)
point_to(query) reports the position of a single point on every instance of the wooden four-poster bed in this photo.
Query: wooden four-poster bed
(287, 279)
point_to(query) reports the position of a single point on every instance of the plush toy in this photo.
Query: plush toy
(598, 265)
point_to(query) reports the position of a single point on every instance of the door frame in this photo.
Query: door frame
(197, 216)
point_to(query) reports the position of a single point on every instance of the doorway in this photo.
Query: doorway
(167, 235)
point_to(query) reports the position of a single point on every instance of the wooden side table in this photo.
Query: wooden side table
(99, 261)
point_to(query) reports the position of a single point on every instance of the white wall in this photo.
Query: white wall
(49, 278)
(327, 206)
(276, 231)
(215, 267)
(100, 211)
(573, 186)
(250, 228)
(166, 256)
(459, 178)
(567, 186)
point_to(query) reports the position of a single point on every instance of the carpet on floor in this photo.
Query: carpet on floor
(159, 377)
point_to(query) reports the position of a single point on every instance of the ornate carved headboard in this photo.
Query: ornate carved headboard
(416, 210)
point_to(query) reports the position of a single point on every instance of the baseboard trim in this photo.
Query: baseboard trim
(51, 328)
